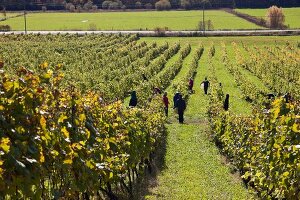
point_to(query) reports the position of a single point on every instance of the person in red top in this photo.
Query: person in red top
(191, 84)
(166, 103)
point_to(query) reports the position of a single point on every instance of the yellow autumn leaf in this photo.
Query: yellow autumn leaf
(8, 85)
(89, 164)
(43, 122)
(42, 157)
(77, 146)
(1, 107)
(65, 132)
(54, 153)
(44, 65)
(295, 128)
(68, 161)
(5, 144)
(82, 117)
(62, 118)
(111, 175)
(285, 174)
(88, 134)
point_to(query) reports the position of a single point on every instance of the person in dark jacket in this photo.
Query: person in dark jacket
(287, 97)
(191, 84)
(181, 106)
(175, 98)
(156, 90)
(270, 96)
(133, 99)
(226, 102)
(205, 85)
(166, 103)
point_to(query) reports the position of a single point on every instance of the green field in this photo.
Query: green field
(292, 15)
(174, 20)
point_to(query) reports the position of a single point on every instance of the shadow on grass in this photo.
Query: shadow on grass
(148, 180)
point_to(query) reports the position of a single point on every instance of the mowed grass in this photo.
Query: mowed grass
(194, 169)
(174, 20)
(292, 15)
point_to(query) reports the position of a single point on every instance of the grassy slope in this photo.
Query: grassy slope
(194, 168)
(292, 15)
(174, 20)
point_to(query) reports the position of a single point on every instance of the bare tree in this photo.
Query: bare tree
(275, 17)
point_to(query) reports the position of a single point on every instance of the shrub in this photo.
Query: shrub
(68, 6)
(5, 28)
(210, 25)
(94, 7)
(275, 17)
(92, 27)
(138, 5)
(4, 13)
(72, 8)
(123, 7)
(44, 8)
(161, 31)
(185, 4)
(148, 6)
(113, 6)
(88, 5)
(162, 5)
(78, 8)
(105, 4)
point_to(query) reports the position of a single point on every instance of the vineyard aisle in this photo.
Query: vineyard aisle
(193, 167)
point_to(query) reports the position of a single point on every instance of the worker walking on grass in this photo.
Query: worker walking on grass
(226, 102)
(175, 98)
(181, 106)
(191, 84)
(166, 103)
(133, 99)
(205, 84)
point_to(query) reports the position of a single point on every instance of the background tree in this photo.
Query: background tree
(275, 17)
(185, 4)
(193, 4)
(88, 5)
(163, 5)
(138, 5)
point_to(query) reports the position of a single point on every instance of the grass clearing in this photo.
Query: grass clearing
(193, 167)
(292, 15)
(236, 102)
(174, 20)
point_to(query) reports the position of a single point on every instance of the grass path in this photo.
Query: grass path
(193, 167)
(237, 104)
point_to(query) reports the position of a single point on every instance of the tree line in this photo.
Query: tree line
(78, 5)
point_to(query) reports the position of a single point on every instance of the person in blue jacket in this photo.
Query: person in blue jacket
(181, 106)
